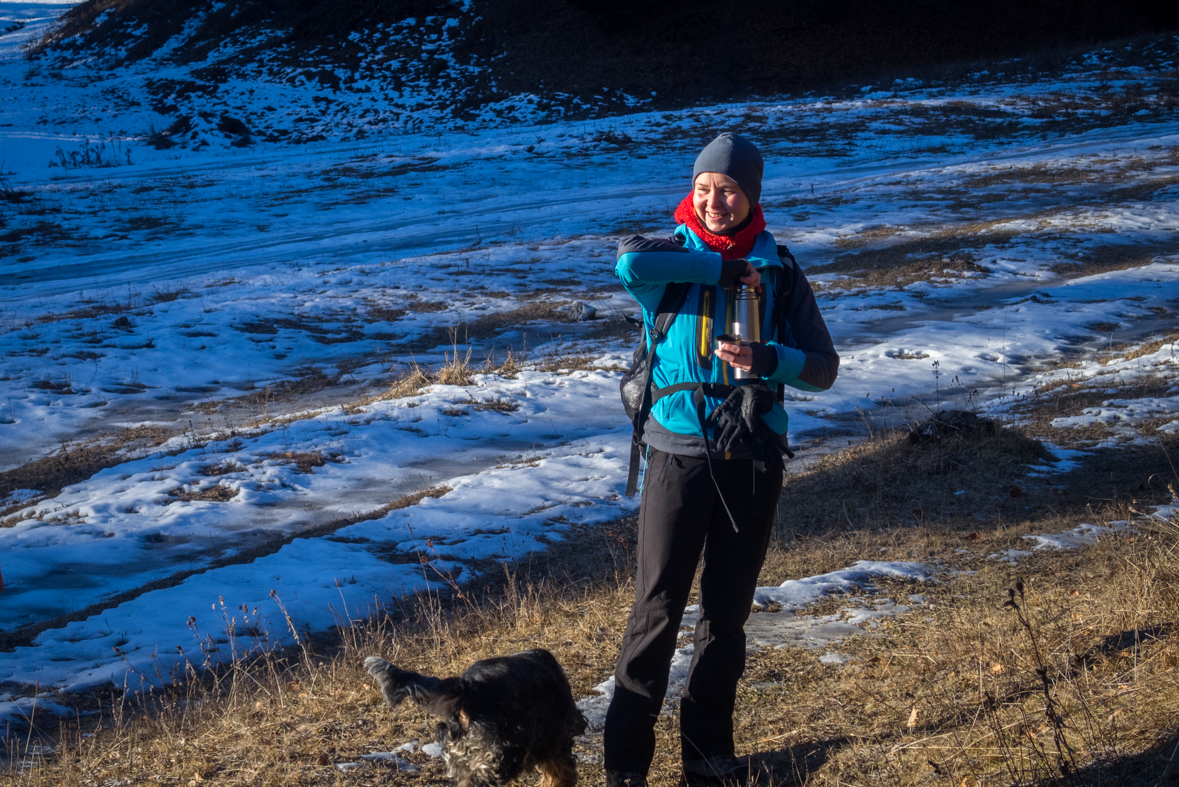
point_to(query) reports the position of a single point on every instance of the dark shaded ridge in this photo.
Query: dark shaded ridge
(683, 52)
(307, 22)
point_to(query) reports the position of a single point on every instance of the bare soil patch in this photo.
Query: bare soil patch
(898, 266)
(1113, 257)
(865, 236)
(1039, 174)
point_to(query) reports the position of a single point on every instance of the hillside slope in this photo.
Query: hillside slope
(344, 70)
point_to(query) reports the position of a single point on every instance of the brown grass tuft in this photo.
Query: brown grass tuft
(410, 383)
(456, 370)
(306, 461)
(218, 493)
(1132, 351)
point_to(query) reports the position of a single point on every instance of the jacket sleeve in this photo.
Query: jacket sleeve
(647, 265)
(806, 356)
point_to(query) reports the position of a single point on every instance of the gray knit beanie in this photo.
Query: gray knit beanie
(735, 156)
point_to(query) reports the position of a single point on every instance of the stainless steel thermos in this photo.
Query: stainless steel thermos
(746, 325)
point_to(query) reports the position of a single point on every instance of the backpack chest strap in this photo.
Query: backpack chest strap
(715, 390)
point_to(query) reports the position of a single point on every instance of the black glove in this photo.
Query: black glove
(765, 359)
(738, 416)
(731, 272)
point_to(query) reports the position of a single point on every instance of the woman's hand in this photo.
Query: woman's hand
(739, 356)
(750, 276)
(757, 358)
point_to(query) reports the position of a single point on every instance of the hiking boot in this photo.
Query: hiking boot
(625, 779)
(724, 771)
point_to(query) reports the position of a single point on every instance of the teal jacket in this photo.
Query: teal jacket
(806, 357)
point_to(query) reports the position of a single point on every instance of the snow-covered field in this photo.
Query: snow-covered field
(233, 317)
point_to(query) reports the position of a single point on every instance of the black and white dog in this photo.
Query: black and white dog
(501, 717)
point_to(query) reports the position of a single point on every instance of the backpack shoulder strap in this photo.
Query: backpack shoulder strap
(674, 296)
(783, 292)
(785, 286)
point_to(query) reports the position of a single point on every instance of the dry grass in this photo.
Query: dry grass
(457, 369)
(955, 683)
(384, 314)
(1036, 174)
(306, 461)
(1131, 351)
(218, 493)
(1113, 257)
(1074, 685)
(1063, 398)
(426, 306)
(79, 461)
(287, 717)
(865, 236)
(566, 362)
(496, 406)
(259, 400)
(888, 482)
(410, 383)
(228, 467)
(490, 325)
(899, 265)
(948, 252)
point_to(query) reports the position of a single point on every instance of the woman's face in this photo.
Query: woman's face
(720, 203)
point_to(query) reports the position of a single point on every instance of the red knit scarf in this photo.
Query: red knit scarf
(731, 247)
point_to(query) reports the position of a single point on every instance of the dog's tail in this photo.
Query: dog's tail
(436, 696)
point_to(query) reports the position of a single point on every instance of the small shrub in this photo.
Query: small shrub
(93, 156)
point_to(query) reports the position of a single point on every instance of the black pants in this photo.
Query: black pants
(680, 515)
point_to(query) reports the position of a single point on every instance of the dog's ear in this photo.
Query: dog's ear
(458, 722)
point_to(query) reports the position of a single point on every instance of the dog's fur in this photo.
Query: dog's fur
(501, 717)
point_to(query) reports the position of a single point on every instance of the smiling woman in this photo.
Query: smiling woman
(712, 481)
(719, 202)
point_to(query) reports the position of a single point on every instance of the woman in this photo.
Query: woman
(713, 460)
